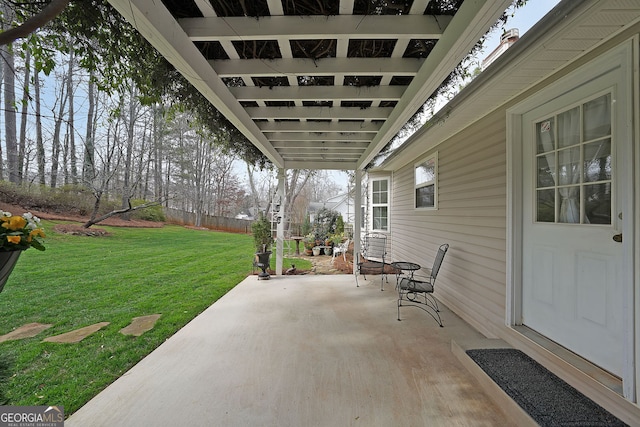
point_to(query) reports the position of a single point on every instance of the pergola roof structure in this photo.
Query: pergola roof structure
(315, 84)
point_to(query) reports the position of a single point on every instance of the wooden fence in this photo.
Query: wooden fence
(231, 225)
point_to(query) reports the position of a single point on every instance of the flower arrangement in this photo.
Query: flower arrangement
(309, 241)
(20, 232)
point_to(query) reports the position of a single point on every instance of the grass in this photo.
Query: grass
(79, 281)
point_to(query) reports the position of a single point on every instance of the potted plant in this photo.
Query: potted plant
(263, 240)
(337, 238)
(17, 233)
(309, 242)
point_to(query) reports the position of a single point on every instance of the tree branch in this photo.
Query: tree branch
(118, 212)
(47, 14)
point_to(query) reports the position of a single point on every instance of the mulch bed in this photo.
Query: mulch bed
(78, 230)
(114, 221)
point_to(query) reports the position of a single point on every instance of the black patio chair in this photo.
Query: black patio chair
(372, 257)
(417, 291)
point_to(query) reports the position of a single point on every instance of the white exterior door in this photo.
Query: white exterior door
(576, 199)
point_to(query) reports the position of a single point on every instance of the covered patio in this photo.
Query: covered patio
(303, 350)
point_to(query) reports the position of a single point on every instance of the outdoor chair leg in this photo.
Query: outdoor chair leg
(425, 306)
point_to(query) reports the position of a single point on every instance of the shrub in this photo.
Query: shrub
(261, 229)
(306, 225)
(151, 213)
(324, 223)
(339, 225)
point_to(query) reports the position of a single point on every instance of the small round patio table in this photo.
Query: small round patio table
(405, 266)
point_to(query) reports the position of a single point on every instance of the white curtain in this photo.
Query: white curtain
(569, 166)
(567, 173)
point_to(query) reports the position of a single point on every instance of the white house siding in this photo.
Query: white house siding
(471, 218)
(472, 180)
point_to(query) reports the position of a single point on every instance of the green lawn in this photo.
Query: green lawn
(78, 281)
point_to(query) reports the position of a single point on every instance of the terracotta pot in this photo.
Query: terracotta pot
(7, 262)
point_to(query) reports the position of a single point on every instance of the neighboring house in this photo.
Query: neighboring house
(531, 174)
(342, 203)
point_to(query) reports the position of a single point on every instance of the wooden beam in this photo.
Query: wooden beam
(318, 93)
(373, 113)
(320, 67)
(315, 27)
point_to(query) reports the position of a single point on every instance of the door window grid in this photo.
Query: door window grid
(574, 164)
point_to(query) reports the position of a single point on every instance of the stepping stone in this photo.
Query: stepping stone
(77, 335)
(29, 330)
(140, 325)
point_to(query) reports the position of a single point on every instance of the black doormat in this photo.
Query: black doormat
(546, 398)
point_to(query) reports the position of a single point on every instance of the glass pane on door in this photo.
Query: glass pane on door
(597, 161)
(574, 166)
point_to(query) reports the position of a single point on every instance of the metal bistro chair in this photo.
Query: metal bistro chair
(372, 257)
(418, 291)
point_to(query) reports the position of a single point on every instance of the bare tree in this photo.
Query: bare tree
(131, 119)
(71, 123)
(55, 143)
(88, 163)
(23, 116)
(40, 154)
(1, 81)
(159, 131)
(223, 183)
(8, 65)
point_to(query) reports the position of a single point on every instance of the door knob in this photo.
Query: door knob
(618, 238)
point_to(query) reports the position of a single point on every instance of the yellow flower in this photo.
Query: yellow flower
(13, 239)
(14, 223)
(35, 233)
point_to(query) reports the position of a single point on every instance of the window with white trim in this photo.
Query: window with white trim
(380, 204)
(425, 183)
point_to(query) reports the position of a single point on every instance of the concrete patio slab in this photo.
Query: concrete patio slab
(301, 351)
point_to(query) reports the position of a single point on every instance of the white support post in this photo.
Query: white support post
(357, 203)
(281, 222)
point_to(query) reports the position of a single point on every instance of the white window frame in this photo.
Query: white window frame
(433, 182)
(380, 205)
